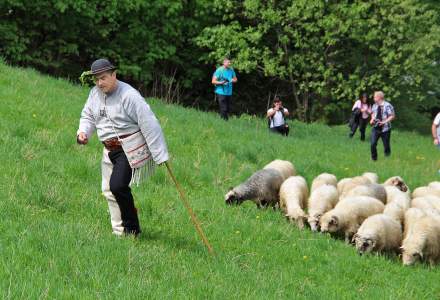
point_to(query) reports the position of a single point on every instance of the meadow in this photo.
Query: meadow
(55, 234)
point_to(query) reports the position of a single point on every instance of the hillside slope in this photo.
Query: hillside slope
(56, 239)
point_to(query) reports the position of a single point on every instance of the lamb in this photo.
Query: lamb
(422, 241)
(293, 199)
(285, 167)
(372, 190)
(321, 201)
(378, 233)
(425, 191)
(398, 182)
(322, 179)
(349, 214)
(262, 188)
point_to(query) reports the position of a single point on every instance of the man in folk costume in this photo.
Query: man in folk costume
(119, 113)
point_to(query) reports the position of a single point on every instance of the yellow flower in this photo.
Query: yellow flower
(34, 115)
(345, 169)
(237, 232)
(305, 257)
(258, 217)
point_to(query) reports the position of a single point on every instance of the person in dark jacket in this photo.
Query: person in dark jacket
(361, 112)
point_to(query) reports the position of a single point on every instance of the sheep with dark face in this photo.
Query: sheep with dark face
(262, 188)
(398, 182)
(378, 233)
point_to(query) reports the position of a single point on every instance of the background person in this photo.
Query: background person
(276, 117)
(114, 109)
(223, 79)
(361, 112)
(381, 117)
(435, 130)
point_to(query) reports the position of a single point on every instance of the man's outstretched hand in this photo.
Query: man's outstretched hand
(82, 138)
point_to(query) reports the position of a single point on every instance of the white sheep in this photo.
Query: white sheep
(262, 187)
(350, 184)
(378, 233)
(425, 191)
(426, 202)
(321, 201)
(285, 167)
(371, 176)
(293, 199)
(349, 214)
(341, 184)
(411, 216)
(393, 192)
(435, 185)
(324, 178)
(398, 182)
(372, 190)
(422, 241)
(397, 207)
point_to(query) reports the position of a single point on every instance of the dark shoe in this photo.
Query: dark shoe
(374, 159)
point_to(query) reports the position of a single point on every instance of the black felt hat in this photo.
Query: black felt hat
(101, 65)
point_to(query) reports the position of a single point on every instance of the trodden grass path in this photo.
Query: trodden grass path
(55, 235)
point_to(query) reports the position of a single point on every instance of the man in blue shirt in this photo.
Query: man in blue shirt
(223, 79)
(381, 117)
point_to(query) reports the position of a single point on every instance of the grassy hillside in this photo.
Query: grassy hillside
(55, 235)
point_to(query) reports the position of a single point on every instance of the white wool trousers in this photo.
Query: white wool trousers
(115, 211)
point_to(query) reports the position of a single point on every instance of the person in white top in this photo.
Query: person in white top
(276, 118)
(435, 130)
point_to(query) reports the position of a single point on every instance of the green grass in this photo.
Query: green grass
(55, 235)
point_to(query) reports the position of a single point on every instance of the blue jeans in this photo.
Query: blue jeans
(386, 139)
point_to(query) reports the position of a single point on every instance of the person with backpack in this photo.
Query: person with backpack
(360, 114)
(276, 117)
(222, 79)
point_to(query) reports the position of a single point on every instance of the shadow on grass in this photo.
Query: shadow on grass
(172, 242)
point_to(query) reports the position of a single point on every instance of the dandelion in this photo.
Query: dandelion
(305, 257)
(237, 232)
(346, 169)
(34, 115)
(258, 217)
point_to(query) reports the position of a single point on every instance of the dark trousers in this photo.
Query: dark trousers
(119, 186)
(224, 103)
(386, 139)
(283, 129)
(362, 124)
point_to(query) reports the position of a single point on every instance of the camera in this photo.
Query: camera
(376, 124)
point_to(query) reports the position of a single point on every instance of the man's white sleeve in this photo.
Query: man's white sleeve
(140, 112)
(87, 120)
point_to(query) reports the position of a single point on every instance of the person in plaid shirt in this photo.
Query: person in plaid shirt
(381, 117)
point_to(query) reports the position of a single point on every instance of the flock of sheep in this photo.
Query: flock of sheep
(375, 217)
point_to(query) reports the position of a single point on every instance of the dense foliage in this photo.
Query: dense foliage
(317, 55)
